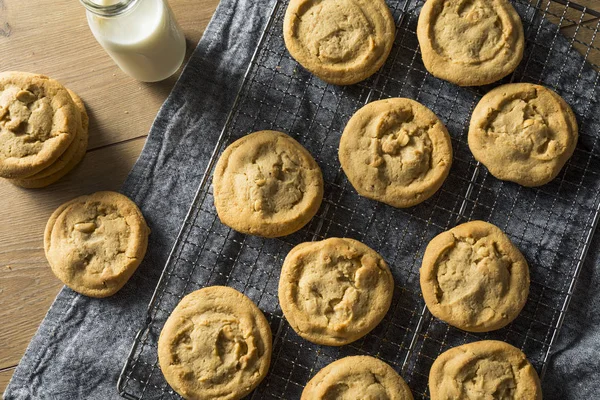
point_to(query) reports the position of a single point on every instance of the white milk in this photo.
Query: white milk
(145, 41)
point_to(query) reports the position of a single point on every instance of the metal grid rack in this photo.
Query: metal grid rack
(552, 225)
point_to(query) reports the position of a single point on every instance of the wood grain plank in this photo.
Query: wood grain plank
(53, 38)
(27, 285)
(5, 376)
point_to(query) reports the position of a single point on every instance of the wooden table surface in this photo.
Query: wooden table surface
(53, 38)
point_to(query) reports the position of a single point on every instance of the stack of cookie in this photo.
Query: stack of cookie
(43, 129)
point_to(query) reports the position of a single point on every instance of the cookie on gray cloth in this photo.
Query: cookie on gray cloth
(216, 344)
(267, 184)
(357, 377)
(488, 369)
(474, 278)
(470, 43)
(523, 133)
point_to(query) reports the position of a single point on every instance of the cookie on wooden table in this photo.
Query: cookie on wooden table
(68, 160)
(396, 151)
(267, 184)
(470, 43)
(357, 377)
(216, 344)
(38, 122)
(334, 291)
(474, 278)
(340, 41)
(523, 133)
(488, 369)
(95, 243)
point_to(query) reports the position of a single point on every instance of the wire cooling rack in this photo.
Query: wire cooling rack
(552, 224)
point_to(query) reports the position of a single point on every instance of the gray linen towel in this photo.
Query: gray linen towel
(82, 343)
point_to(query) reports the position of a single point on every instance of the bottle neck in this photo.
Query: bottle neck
(108, 8)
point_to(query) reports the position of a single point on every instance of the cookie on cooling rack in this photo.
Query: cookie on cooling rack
(38, 121)
(334, 291)
(267, 184)
(523, 133)
(396, 151)
(340, 41)
(67, 160)
(470, 43)
(95, 243)
(474, 278)
(216, 344)
(484, 370)
(357, 377)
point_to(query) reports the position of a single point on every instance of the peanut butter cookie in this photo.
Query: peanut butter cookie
(335, 291)
(38, 121)
(396, 151)
(267, 184)
(67, 161)
(523, 133)
(215, 345)
(340, 41)
(474, 278)
(95, 243)
(470, 43)
(357, 377)
(487, 369)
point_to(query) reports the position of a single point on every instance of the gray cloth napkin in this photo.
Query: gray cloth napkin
(82, 344)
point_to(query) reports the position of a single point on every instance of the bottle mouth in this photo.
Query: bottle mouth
(117, 8)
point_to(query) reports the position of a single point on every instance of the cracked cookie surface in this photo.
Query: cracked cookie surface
(38, 122)
(474, 278)
(487, 369)
(216, 344)
(95, 243)
(340, 41)
(357, 377)
(396, 151)
(334, 291)
(267, 184)
(523, 133)
(470, 42)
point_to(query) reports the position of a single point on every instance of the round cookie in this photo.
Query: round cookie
(267, 184)
(67, 161)
(487, 369)
(340, 41)
(523, 133)
(396, 151)
(38, 121)
(357, 377)
(95, 243)
(334, 291)
(216, 344)
(474, 278)
(470, 43)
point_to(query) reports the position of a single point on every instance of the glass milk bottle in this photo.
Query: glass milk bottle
(141, 36)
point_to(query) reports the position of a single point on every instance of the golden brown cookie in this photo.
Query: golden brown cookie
(487, 369)
(474, 278)
(267, 184)
(470, 43)
(334, 291)
(396, 151)
(38, 121)
(357, 377)
(523, 133)
(216, 344)
(67, 161)
(340, 41)
(95, 243)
